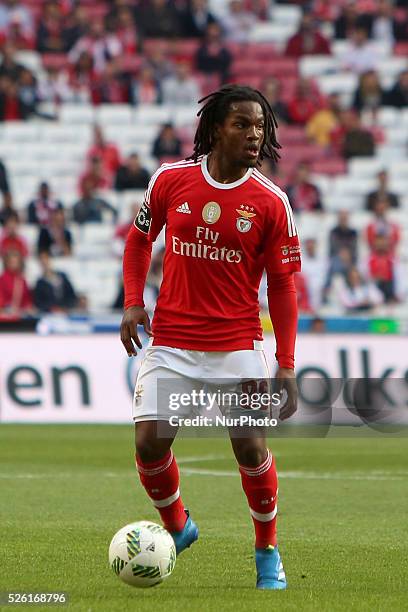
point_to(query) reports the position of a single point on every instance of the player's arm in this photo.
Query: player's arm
(282, 260)
(136, 263)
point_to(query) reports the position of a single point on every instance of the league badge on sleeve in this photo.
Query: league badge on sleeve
(143, 219)
(244, 222)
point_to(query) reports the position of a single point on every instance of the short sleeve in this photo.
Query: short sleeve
(281, 241)
(152, 214)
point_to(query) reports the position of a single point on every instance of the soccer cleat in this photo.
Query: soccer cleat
(270, 572)
(187, 536)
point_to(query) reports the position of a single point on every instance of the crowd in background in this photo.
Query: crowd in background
(99, 53)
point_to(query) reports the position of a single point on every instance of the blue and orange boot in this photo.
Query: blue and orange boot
(187, 536)
(269, 567)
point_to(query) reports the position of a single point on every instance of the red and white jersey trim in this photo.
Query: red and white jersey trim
(174, 166)
(292, 231)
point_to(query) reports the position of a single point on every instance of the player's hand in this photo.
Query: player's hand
(133, 316)
(286, 379)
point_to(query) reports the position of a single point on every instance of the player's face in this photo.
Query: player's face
(240, 137)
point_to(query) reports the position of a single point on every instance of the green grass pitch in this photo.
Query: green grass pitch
(343, 522)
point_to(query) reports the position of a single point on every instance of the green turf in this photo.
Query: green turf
(343, 522)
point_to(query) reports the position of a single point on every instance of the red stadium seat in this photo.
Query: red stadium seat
(333, 166)
(401, 48)
(150, 44)
(185, 50)
(56, 61)
(131, 63)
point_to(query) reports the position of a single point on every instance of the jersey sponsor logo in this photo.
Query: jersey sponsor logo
(244, 222)
(199, 250)
(143, 219)
(211, 212)
(184, 208)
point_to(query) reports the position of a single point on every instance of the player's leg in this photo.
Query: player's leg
(159, 475)
(160, 372)
(260, 484)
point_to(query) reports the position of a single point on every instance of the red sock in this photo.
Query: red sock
(161, 481)
(261, 487)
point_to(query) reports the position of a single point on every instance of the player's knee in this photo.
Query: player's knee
(150, 449)
(250, 455)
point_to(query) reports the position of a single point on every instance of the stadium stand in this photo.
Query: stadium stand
(46, 131)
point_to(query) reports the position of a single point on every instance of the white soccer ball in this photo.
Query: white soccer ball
(142, 554)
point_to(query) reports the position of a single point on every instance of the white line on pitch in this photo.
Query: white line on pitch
(300, 475)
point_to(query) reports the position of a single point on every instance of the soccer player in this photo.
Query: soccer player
(225, 223)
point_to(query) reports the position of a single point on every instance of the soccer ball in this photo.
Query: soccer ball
(142, 554)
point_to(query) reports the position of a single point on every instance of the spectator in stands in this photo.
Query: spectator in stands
(7, 209)
(159, 19)
(213, 56)
(28, 95)
(17, 35)
(145, 88)
(302, 193)
(40, 209)
(382, 192)
(82, 77)
(350, 139)
(159, 62)
(7, 204)
(182, 88)
(307, 40)
(385, 27)
(339, 267)
(196, 18)
(10, 240)
(305, 102)
(167, 143)
(12, 106)
(8, 66)
(324, 121)
(397, 96)
(349, 19)
(53, 86)
(342, 236)
(90, 207)
(238, 22)
(125, 30)
(369, 95)
(109, 88)
(53, 291)
(106, 151)
(15, 296)
(76, 25)
(132, 175)
(55, 238)
(359, 293)
(271, 89)
(382, 268)
(382, 226)
(102, 46)
(50, 33)
(95, 176)
(12, 11)
(314, 271)
(360, 56)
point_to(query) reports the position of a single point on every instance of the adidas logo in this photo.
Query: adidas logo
(184, 208)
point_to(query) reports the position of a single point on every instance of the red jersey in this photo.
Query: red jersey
(219, 239)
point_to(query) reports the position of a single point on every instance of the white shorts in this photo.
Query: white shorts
(166, 374)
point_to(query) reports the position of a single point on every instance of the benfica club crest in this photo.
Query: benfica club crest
(244, 222)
